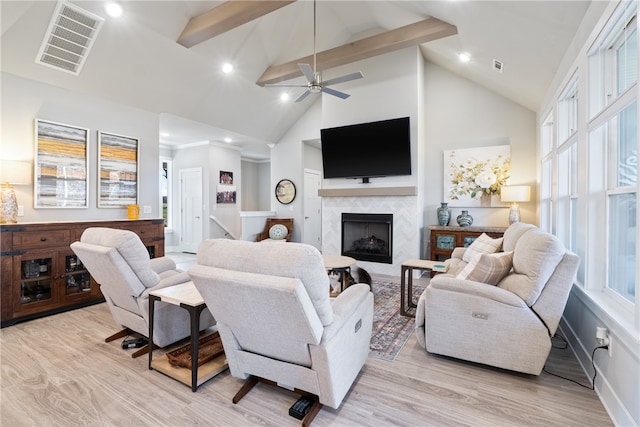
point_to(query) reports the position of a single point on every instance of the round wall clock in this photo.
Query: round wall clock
(285, 191)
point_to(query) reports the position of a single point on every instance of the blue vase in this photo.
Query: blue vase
(444, 214)
(464, 219)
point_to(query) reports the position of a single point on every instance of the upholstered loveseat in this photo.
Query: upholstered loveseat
(509, 323)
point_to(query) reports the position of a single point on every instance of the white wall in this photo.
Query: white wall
(25, 100)
(287, 158)
(460, 114)
(255, 185)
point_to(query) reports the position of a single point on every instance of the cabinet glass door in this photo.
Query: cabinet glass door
(77, 279)
(35, 280)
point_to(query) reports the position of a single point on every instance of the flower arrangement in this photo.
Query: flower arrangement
(476, 178)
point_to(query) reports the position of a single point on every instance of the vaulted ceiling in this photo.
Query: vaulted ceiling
(137, 60)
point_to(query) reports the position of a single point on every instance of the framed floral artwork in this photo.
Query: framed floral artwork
(473, 176)
(61, 168)
(117, 170)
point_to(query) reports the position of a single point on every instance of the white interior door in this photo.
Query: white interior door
(312, 230)
(191, 209)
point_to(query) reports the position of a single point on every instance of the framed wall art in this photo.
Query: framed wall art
(285, 191)
(61, 167)
(226, 178)
(226, 194)
(117, 170)
(473, 176)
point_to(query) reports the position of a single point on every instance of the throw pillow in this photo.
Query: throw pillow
(482, 245)
(488, 268)
(278, 232)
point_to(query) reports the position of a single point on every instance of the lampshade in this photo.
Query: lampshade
(515, 193)
(15, 172)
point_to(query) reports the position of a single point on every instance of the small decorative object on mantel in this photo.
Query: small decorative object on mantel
(464, 219)
(444, 214)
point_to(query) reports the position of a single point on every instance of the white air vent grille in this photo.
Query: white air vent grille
(497, 65)
(69, 38)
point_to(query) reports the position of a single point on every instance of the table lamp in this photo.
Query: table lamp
(12, 173)
(514, 194)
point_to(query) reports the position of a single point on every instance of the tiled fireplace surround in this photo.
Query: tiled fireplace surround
(406, 232)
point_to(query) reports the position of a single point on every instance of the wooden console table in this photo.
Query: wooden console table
(443, 239)
(39, 273)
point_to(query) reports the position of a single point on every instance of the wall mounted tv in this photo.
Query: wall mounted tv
(367, 150)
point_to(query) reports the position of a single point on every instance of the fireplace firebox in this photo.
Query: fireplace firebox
(368, 237)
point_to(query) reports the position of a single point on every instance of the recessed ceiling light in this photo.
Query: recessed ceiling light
(464, 57)
(284, 97)
(227, 68)
(164, 134)
(113, 9)
(228, 140)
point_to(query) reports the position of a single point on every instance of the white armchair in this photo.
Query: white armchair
(510, 325)
(276, 319)
(120, 263)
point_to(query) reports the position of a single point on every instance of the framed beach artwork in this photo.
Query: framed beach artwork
(60, 165)
(473, 176)
(117, 170)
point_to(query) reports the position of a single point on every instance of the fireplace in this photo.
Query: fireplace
(368, 237)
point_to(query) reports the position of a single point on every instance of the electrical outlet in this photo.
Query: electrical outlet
(602, 336)
(20, 210)
(146, 209)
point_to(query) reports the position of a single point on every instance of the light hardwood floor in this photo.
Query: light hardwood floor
(59, 371)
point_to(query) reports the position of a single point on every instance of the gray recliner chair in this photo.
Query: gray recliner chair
(509, 325)
(277, 322)
(119, 262)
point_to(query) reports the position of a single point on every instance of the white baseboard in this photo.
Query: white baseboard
(607, 395)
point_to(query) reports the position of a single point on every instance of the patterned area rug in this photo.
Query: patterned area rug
(390, 329)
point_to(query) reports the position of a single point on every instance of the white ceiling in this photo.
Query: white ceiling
(136, 60)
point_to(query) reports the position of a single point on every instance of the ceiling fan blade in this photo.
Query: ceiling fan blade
(279, 85)
(335, 92)
(345, 78)
(308, 72)
(303, 96)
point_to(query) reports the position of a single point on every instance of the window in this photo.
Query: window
(588, 174)
(613, 59)
(546, 180)
(622, 231)
(568, 111)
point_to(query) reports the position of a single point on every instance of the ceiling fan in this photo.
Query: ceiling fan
(315, 85)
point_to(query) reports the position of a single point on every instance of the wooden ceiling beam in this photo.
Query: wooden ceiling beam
(225, 17)
(409, 35)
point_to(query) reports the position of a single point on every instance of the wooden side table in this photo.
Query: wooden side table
(186, 296)
(407, 270)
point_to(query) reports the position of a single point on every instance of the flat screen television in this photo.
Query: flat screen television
(367, 150)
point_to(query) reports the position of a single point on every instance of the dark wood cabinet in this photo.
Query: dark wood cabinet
(443, 239)
(39, 273)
